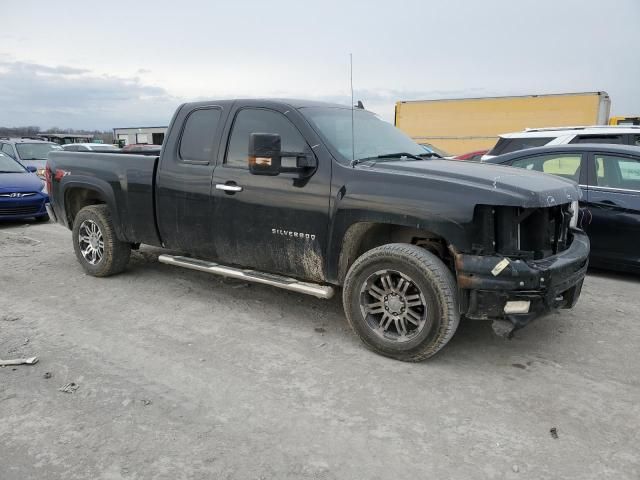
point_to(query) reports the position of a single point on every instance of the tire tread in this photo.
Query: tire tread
(435, 271)
(117, 253)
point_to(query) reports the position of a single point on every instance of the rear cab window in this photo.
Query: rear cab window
(198, 135)
(508, 145)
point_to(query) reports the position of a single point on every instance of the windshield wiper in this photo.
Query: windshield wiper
(400, 155)
(34, 158)
(430, 155)
(9, 171)
(387, 155)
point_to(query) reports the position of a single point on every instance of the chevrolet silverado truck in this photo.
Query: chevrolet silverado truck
(312, 197)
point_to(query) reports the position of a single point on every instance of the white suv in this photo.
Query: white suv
(538, 137)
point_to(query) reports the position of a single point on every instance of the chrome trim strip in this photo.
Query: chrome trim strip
(16, 195)
(286, 283)
(606, 189)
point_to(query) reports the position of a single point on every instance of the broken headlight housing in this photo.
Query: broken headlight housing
(526, 233)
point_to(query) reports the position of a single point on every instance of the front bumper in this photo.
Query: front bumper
(26, 207)
(547, 284)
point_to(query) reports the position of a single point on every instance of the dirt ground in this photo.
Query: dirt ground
(183, 375)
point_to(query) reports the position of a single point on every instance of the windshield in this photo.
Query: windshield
(373, 137)
(35, 151)
(9, 165)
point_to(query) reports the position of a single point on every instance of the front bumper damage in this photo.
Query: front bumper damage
(491, 290)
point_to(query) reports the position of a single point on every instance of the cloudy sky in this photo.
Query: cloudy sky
(85, 64)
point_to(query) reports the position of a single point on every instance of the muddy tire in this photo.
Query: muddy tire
(401, 301)
(95, 243)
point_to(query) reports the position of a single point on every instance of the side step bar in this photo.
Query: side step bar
(320, 291)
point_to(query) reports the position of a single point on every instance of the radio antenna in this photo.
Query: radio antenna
(353, 140)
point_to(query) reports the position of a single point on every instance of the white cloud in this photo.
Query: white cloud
(64, 96)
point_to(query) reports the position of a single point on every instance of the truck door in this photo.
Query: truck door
(183, 191)
(270, 223)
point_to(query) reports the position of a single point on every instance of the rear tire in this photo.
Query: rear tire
(401, 301)
(97, 248)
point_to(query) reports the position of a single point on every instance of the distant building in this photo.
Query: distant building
(144, 135)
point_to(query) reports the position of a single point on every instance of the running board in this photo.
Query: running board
(286, 283)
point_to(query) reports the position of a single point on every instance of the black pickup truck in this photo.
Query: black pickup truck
(310, 196)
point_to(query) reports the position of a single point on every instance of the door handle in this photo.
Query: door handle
(608, 203)
(232, 188)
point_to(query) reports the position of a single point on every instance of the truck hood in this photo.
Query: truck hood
(495, 184)
(20, 182)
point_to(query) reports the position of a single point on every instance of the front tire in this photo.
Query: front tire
(401, 300)
(95, 242)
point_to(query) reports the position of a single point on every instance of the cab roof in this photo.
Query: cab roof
(290, 102)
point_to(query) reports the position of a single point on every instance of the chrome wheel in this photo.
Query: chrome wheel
(393, 305)
(91, 242)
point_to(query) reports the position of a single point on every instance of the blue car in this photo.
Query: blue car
(21, 192)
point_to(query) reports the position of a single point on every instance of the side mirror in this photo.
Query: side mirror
(265, 153)
(267, 158)
(32, 169)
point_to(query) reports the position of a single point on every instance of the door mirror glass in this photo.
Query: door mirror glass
(265, 153)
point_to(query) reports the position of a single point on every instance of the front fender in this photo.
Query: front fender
(350, 226)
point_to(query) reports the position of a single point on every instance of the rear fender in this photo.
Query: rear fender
(104, 193)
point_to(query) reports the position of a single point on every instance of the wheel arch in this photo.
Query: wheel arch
(363, 236)
(79, 194)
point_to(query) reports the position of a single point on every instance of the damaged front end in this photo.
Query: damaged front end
(526, 262)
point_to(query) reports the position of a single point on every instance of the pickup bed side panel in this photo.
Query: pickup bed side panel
(125, 182)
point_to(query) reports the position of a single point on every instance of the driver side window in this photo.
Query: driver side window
(255, 120)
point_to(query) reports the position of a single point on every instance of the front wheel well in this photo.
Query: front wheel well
(365, 236)
(77, 198)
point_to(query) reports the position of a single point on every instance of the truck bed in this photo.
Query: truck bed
(125, 180)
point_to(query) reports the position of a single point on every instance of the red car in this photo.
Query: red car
(474, 156)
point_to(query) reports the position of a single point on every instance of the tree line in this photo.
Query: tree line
(31, 131)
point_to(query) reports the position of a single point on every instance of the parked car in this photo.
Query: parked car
(21, 192)
(90, 147)
(28, 151)
(277, 192)
(474, 156)
(609, 176)
(538, 137)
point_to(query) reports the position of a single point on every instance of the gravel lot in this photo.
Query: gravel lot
(185, 375)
